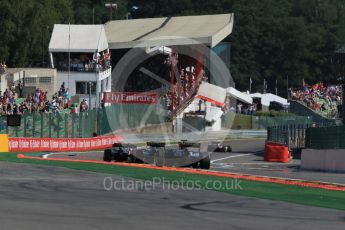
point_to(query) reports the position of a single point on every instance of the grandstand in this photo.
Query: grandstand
(326, 101)
(170, 57)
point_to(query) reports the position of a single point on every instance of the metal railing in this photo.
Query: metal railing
(326, 138)
(301, 136)
(293, 136)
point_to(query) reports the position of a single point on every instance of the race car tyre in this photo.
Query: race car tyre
(155, 144)
(117, 144)
(205, 163)
(195, 165)
(185, 144)
(107, 155)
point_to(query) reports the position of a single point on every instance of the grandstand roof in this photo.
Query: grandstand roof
(83, 38)
(239, 95)
(184, 30)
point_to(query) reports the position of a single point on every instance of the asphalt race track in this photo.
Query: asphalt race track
(246, 158)
(238, 146)
(41, 197)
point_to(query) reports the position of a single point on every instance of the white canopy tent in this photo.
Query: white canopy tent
(78, 39)
(245, 98)
(267, 98)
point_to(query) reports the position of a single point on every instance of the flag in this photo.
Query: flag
(303, 83)
(107, 55)
(316, 86)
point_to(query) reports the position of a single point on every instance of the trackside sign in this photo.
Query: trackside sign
(22, 144)
(129, 98)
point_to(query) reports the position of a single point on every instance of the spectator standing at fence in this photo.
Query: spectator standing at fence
(37, 95)
(41, 97)
(20, 89)
(83, 106)
(239, 108)
(251, 109)
(74, 109)
(66, 96)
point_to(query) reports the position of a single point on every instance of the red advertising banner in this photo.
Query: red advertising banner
(18, 144)
(130, 98)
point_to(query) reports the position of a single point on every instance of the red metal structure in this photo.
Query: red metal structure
(175, 88)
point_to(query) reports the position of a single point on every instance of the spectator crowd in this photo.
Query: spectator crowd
(82, 62)
(326, 99)
(245, 109)
(12, 102)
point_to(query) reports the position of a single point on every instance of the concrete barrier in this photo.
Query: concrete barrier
(332, 160)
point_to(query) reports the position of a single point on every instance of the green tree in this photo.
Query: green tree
(26, 29)
(95, 12)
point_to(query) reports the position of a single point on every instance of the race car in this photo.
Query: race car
(219, 147)
(185, 154)
(120, 153)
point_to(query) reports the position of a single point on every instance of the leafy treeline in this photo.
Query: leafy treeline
(26, 25)
(25, 29)
(272, 39)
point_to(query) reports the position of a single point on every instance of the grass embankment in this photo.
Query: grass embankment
(271, 191)
(242, 122)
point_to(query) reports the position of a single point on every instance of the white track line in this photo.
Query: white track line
(259, 163)
(240, 155)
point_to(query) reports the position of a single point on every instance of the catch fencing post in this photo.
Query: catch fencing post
(33, 124)
(343, 104)
(66, 125)
(42, 124)
(25, 124)
(73, 125)
(80, 124)
(50, 125)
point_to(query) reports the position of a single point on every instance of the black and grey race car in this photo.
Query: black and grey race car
(185, 154)
(219, 147)
(121, 153)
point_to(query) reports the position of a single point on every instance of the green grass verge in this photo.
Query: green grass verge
(242, 122)
(271, 191)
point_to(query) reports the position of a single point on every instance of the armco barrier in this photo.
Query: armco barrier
(61, 144)
(275, 152)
